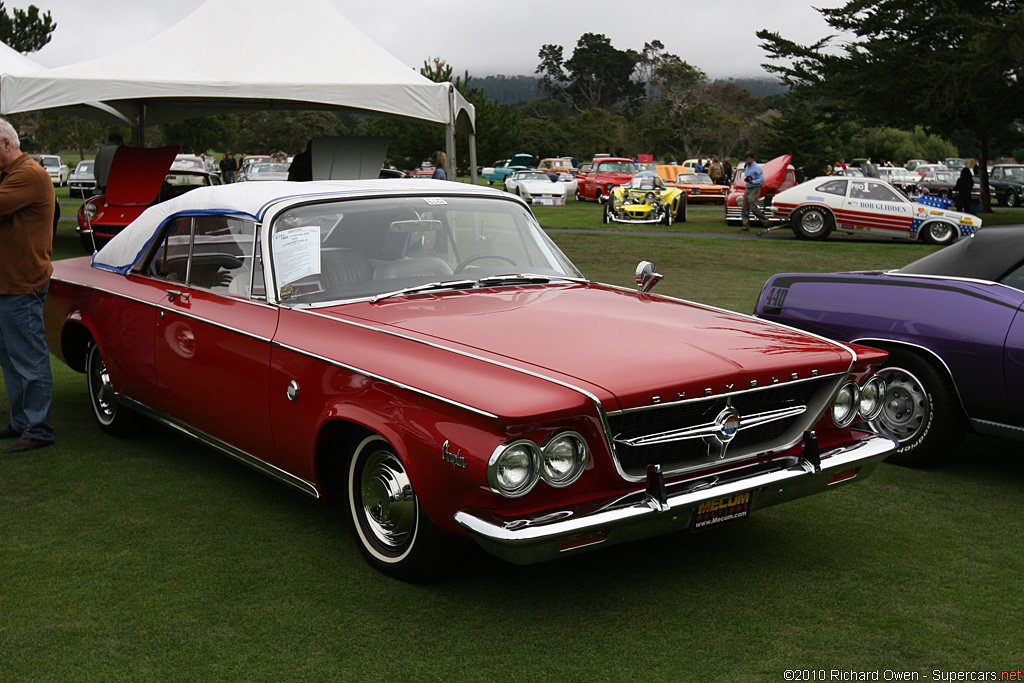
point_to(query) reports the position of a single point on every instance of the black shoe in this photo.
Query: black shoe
(27, 443)
(9, 432)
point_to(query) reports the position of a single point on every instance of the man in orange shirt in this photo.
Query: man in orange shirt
(26, 242)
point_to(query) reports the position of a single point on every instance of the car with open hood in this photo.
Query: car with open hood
(423, 353)
(506, 167)
(139, 177)
(779, 175)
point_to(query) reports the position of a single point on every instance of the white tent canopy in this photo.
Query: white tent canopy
(302, 54)
(13, 62)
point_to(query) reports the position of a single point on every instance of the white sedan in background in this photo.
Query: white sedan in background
(536, 187)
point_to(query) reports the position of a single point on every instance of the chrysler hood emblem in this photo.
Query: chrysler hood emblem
(727, 424)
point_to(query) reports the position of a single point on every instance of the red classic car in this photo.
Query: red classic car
(779, 175)
(424, 351)
(138, 178)
(604, 174)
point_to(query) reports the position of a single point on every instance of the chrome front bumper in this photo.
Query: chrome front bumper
(662, 508)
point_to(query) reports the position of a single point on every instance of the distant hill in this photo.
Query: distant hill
(516, 89)
(507, 89)
(758, 87)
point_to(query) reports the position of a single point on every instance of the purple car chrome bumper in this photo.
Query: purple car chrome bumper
(662, 508)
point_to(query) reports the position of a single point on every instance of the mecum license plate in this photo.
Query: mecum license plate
(724, 510)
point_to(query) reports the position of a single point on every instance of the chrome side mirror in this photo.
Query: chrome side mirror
(647, 276)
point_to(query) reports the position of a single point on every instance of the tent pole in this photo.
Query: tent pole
(449, 149)
(139, 131)
(472, 158)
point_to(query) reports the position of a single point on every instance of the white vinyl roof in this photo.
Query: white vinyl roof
(300, 54)
(252, 200)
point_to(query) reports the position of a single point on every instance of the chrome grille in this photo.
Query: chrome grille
(694, 434)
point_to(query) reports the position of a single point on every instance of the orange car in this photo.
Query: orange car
(697, 186)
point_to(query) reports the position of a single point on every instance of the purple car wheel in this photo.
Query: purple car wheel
(920, 411)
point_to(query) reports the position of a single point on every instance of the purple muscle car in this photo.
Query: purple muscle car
(953, 324)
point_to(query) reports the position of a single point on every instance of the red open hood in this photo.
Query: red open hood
(137, 173)
(774, 173)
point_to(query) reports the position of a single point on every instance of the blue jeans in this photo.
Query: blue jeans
(25, 361)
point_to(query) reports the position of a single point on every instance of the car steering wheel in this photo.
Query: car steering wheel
(479, 257)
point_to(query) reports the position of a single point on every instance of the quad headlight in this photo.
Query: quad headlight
(515, 468)
(852, 400)
(872, 398)
(563, 459)
(845, 404)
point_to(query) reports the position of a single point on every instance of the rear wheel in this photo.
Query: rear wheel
(112, 417)
(812, 223)
(939, 232)
(395, 535)
(920, 410)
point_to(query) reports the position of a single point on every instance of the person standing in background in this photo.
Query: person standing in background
(26, 243)
(440, 161)
(753, 176)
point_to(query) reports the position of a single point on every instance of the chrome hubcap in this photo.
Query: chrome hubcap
(104, 397)
(812, 221)
(389, 504)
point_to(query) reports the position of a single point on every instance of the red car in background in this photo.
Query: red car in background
(138, 179)
(604, 175)
(779, 175)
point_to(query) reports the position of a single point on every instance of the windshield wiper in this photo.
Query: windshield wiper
(514, 278)
(451, 284)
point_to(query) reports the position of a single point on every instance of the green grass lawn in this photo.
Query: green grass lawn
(153, 559)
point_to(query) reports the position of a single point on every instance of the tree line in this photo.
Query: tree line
(900, 79)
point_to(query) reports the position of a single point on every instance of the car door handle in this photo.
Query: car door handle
(173, 294)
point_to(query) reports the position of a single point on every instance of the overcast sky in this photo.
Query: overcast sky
(485, 37)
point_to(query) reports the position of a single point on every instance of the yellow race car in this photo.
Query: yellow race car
(645, 199)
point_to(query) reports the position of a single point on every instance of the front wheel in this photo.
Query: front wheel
(920, 411)
(812, 223)
(112, 417)
(939, 232)
(1011, 198)
(395, 535)
(607, 213)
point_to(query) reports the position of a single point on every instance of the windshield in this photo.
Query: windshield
(52, 162)
(616, 167)
(84, 167)
(368, 247)
(532, 175)
(266, 169)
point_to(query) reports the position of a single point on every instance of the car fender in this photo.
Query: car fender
(888, 344)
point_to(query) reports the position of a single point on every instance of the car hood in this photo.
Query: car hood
(137, 173)
(625, 347)
(774, 173)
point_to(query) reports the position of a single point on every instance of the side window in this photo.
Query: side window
(1015, 278)
(837, 187)
(210, 251)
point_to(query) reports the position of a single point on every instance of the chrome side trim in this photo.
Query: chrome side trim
(392, 382)
(998, 429)
(466, 354)
(241, 456)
